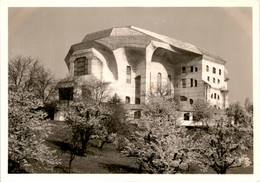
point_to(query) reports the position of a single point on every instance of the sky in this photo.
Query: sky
(47, 34)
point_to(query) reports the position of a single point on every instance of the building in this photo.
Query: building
(136, 61)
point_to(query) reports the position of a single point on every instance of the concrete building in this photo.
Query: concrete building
(136, 61)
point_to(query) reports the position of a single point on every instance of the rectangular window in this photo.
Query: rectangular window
(218, 81)
(183, 83)
(196, 69)
(196, 83)
(183, 70)
(219, 71)
(207, 68)
(214, 70)
(191, 69)
(137, 114)
(128, 74)
(81, 66)
(208, 78)
(159, 81)
(127, 99)
(214, 80)
(191, 82)
(169, 84)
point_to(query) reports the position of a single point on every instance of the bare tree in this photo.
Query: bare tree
(27, 74)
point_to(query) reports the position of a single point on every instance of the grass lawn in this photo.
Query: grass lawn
(107, 160)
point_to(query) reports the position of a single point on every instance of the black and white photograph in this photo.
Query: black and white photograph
(132, 91)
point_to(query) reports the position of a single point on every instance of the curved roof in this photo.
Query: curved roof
(131, 36)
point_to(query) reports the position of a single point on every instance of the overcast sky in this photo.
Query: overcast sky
(48, 33)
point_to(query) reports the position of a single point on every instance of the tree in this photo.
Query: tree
(159, 145)
(90, 115)
(238, 114)
(27, 74)
(222, 145)
(248, 106)
(202, 110)
(27, 131)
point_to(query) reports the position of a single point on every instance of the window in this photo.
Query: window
(196, 83)
(218, 97)
(137, 114)
(191, 101)
(127, 99)
(196, 69)
(128, 74)
(81, 66)
(214, 70)
(219, 71)
(208, 78)
(191, 69)
(66, 93)
(214, 80)
(207, 68)
(215, 95)
(169, 83)
(183, 83)
(191, 82)
(212, 96)
(137, 100)
(183, 98)
(159, 81)
(183, 70)
(186, 116)
(218, 81)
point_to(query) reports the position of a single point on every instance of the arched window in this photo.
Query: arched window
(186, 116)
(127, 99)
(81, 66)
(196, 69)
(215, 95)
(128, 74)
(196, 83)
(191, 69)
(218, 97)
(219, 71)
(218, 81)
(207, 68)
(212, 96)
(208, 78)
(191, 101)
(159, 81)
(214, 80)
(191, 82)
(183, 98)
(214, 70)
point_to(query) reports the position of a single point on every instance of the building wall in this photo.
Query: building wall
(194, 92)
(214, 88)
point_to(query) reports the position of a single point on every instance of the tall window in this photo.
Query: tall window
(127, 99)
(183, 83)
(196, 83)
(196, 69)
(186, 116)
(159, 81)
(183, 70)
(81, 66)
(218, 81)
(219, 71)
(214, 80)
(191, 69)
(191, 82)
(207, 68)
(215, 95)
(208, 78)
(169, 83)
(128, 74)
(214, 70)
(191, 101)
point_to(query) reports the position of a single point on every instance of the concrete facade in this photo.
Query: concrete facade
(136, 61)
